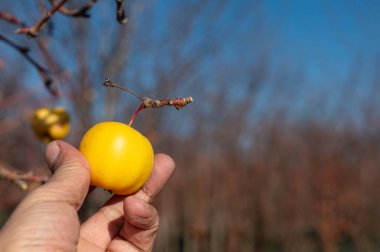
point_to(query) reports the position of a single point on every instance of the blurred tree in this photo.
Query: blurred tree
(269, 157)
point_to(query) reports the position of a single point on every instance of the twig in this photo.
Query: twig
(11, 19)
(147, 102)
(49, 59)
(43, 72)
(79, 12)
(120, 13)
(33, 30)
(109, 83)
(21, 180)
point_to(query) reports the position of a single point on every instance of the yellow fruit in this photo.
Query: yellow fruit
(50, 124)
(120, 157)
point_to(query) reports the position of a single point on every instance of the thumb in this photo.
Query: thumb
(71, 176)
(47, 217)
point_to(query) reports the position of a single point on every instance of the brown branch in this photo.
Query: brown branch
(21, 180)
(43, 72)
(11, 19)
(120, 13)
(78, 12)
(33, 30)
(109, 83)
(54, 87)
(147, 102)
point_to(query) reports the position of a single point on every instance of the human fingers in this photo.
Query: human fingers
(158, 178)
(47, 217)
(71, 174)
(99, 230)
(141, 219)
(140, 226)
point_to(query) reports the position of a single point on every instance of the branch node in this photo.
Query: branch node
(147, 102)
(33, 31)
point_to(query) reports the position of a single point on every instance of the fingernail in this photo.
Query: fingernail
(51, 154)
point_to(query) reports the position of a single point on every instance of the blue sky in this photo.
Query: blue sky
(330, 34)
(316, 46)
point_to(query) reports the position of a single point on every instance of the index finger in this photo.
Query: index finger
(157, 179)
(104, 225)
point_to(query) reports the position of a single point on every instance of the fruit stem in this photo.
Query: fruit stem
(141, 107)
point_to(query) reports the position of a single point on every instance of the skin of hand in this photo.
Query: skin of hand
(47, 219)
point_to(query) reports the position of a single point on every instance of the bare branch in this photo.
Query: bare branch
(21, 180)
(109, 83)
(33, 30)
(147, 102)
(43, 72)
(120, 13)
(78, 12)
(11, 19)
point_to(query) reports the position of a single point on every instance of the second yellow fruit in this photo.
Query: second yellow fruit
(50, 123)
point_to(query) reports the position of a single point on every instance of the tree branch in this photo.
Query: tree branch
(33, 30)
(11, 19)
(21, 180)
(43, 72)
(147, 102)
(79, 12)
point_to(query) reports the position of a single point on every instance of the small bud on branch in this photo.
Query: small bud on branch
(147, 102)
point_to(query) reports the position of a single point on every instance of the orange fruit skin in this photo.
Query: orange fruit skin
(120, 157)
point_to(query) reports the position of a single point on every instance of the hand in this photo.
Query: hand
(47, 219)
